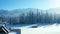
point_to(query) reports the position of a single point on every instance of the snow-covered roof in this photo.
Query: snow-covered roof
(3, 28)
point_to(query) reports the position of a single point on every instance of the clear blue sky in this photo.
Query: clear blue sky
(17, 4)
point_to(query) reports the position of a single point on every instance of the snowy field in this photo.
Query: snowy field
(47, 29)
(12, 33)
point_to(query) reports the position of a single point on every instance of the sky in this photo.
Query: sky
(40, 4)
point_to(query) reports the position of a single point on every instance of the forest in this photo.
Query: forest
(30, 17)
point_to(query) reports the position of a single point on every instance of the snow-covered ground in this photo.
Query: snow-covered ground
(12, 33)
(47, 29)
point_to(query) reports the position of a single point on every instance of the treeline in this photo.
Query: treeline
(32, 18)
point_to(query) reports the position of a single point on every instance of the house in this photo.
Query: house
(3, 29)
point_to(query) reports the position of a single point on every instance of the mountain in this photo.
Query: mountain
(55, 10)
(18, 12)
(3, 12)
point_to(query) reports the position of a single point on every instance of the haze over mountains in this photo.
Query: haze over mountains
(17, 12)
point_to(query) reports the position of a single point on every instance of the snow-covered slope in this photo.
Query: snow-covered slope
(49, 29)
